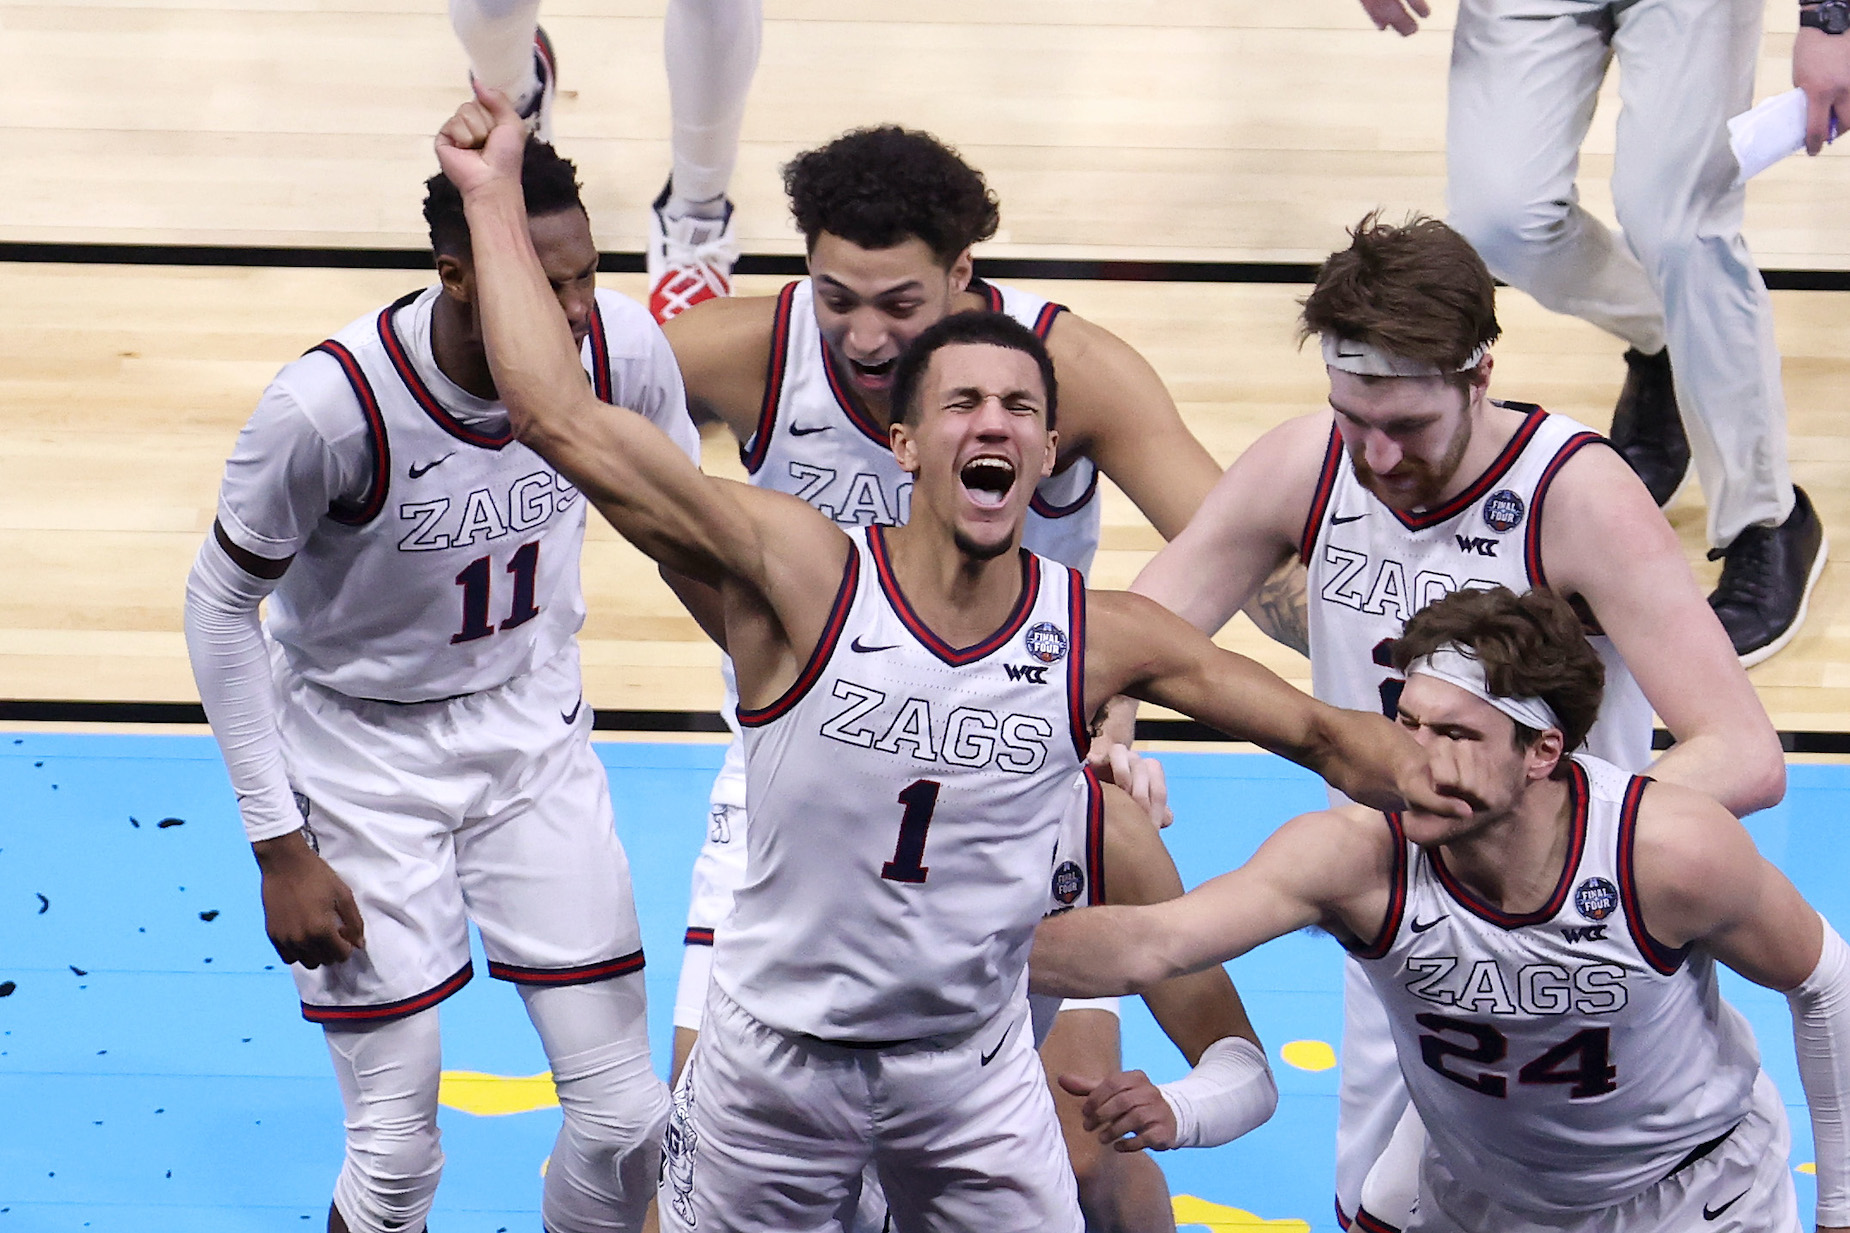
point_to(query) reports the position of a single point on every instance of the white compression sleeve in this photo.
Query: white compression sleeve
(231, 665)
(1821, 1030)
(711, 49)
(1230, 1091)
(498, 37)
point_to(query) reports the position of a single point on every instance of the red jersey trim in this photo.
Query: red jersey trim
(420, 393)
(1576, 848)
(753, 451)
(819, 658)
(1663, 959)
(1076, 662)
(697, 937)
(580, 974)
(1383, 942)
(1320, 502)
(1095, 838)
(386, 1011)
(368, 509)
(957, 657)
(600, 357)
(1532, 536)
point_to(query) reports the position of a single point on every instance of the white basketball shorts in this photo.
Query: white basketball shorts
(491, 807)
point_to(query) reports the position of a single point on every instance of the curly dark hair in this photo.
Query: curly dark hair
(876, 186)
(987, 328)
(1418, 290)
(548, 182)
(1531, 645)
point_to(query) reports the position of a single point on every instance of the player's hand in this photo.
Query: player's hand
(483, 143)
(1141, 778)
(1396, 15)
(1821, 68)
(1439, 783)
(309, 913)
(1125, 1110)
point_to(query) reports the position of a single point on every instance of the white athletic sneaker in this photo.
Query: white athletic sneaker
(690, 259)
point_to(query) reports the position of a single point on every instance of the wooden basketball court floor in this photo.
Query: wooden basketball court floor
(188, 187)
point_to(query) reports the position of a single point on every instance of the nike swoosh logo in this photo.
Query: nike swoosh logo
(1338, 520)
(803, 430)
(417, 472)
(989, 1057)
(1421, 926)
(1712, 1213)
(856, 646)
(576, 707)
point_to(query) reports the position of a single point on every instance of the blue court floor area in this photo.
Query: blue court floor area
(155, 1075)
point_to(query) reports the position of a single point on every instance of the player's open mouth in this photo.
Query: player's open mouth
(988, 480)
(873, 374)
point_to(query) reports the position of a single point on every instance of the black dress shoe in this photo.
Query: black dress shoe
(1767, 577)
(1647, 429)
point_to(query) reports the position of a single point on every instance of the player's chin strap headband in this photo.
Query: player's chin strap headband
(1455, 665)
(1369, 361)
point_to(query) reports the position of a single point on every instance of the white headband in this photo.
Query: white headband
(1369, 361)
(1455, 665)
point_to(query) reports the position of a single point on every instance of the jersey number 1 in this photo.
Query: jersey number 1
(474, 583)
(920, 799)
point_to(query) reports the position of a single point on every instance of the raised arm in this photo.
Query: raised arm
(1702, 881)
(1135, 647)
(706, 529)
(1330, 868)
(1647, 601)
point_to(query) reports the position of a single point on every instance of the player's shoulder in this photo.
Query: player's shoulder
(725, 322)
(320, 391)
(629, 330)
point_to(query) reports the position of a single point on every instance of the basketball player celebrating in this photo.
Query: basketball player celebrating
(409, 743)
(1415, 483)
(803, 378)
(916, 704)
(1548, 965)
(711, 52)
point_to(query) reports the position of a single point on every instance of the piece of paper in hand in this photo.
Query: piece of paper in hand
(1768, 133)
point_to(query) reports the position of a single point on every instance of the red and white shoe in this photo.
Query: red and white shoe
(538, 110)
(690, 259)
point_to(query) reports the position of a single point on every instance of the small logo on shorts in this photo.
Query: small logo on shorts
(1046, 642)
(308, 832)
(1503, 510)
(1069, 882)
(1596, 898)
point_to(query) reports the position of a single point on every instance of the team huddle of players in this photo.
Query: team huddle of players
(910, 859)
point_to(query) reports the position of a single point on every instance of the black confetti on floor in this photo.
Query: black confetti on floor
(38, 764)
(135, 822)
(79, 971)
(209, 916)
(6, 988)
(208, 959)
(164, 823)
(44, 904)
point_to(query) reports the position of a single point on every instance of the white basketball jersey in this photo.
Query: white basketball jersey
(1563, 1060)
(460, 570)
(1372, 567)
(905, 800)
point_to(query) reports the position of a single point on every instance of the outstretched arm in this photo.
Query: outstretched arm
(1330, 868)
(1135, 647)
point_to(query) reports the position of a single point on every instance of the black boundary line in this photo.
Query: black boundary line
(1182, 730)
(1079, 269)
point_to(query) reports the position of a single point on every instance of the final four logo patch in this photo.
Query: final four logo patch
(1596, 898)
(1503, 511)
(1046, 642)
(1069, 882)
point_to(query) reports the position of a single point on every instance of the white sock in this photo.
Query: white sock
(711, 49)
(498, 37)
